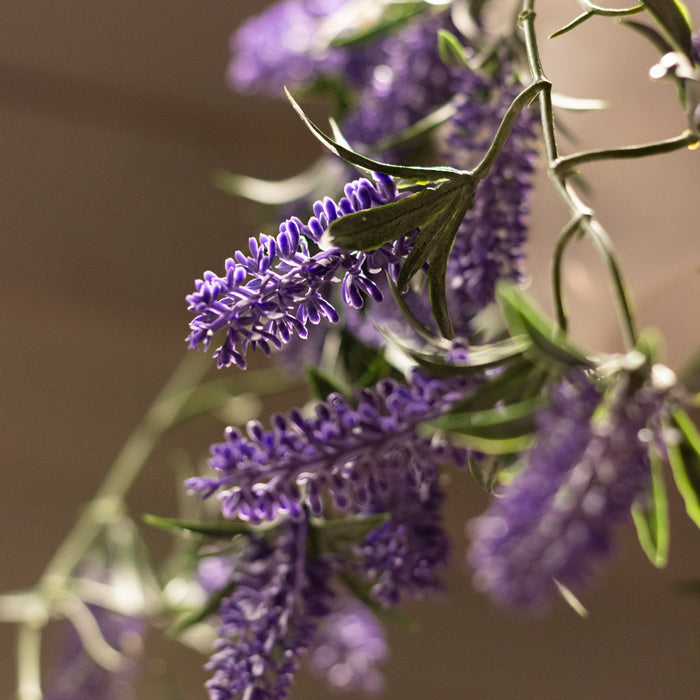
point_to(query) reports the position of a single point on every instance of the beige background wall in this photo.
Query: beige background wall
(113, 114)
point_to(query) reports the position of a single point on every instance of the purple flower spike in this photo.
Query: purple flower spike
(489, 244)
(352, 451)
(557, 517)
(270, 619)
(281, 47)
(267, 297)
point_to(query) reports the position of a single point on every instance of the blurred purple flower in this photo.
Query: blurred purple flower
(280, 47)
(557, 517)
(78, 676)
(350, 642)
(489, 245)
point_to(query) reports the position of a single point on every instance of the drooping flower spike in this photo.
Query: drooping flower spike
(265, 298)
(354, 451)
(581, 479)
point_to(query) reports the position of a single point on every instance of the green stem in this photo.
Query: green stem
(567, 164)
(580, 212)
(108, 501)
(506, 126)
(564, 238)
(611, 11)
(29, 661)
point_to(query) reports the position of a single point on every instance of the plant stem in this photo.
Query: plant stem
(580, 212)
(29, 660)
(108, 501)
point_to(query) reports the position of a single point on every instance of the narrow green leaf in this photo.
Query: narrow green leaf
(509, 446)
(578, 104)
(576, 605)
(674, 17)
(372, 228)
(479, 357)
(511, 421)
(353, 529)
(487, 468)
(210, 607)
(321, 384)
(223, 530)
(451, 50)
(412, 321)
(651, 518)
(521, 379)
(685, 464)
(272, 192)
(548, 341)
(651, 34)
(407, 172)
(395, 14)
(417, 129)
(572, 25)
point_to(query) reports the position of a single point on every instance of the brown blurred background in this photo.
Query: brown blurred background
(113, 116)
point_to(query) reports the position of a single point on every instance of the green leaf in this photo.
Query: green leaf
(651, 518)
(451, 50)
(521, 379)
(272, 192)
(353, 529)
(651, 34)
(417, 129)
(674, 17)
(210, 607)
(685, 464)
(573, 24)
(487, 468)
(578, 104)
(407, 172)
(576, 605)
(479, 357)
(321, 384)
(503, 423)
(524, 318)
(509, 446)
(221, 530)
(394, 15)
(370, 229)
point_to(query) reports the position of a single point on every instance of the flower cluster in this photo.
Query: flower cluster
(281, 47)
(356, 452)
(489, 244)
(270, 619)
(350, 642)
(265, 298)
(580, 480)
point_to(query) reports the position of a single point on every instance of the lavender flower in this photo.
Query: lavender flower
(357, 453)
(280, 47)
(349, 643)
(408, 82)
(489, 244)
(266, 297)
(403, 555)
(270, 619)
(557, 517)
(77, 676)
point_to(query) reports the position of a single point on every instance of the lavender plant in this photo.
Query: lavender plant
(312, 528)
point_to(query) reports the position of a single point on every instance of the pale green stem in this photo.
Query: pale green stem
(29, 661)
(131, 459)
